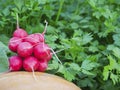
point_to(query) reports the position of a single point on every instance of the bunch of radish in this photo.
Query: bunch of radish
(32, 53)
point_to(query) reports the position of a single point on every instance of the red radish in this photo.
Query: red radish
(43, 64)
(21, 33)
(24, 49)
(41, 37)
(13, 43)
(34, 38)
(42, 51)
(49, 57)
(15, 63)
(30, 64)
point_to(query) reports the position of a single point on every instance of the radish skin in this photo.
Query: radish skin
(25, 49)
(43, 64)
(34, 38)
(13, 43)
(41, 51)
(15, 63)
(30, 63)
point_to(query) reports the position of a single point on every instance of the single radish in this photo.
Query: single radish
(25, 49)
(15, 63)
(43, 64)
(34, 39)
(30, 63)
(13, 43)
(19, 32)
(42, 51)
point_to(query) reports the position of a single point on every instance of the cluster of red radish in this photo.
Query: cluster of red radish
(32, 53)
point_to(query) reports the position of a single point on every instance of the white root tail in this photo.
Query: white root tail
(34, 74)
(56, 56)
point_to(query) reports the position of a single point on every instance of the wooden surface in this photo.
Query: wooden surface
(26, 81)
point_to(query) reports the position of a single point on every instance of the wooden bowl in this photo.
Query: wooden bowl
(39, 81)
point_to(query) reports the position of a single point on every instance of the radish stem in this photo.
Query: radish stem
(45, 27)
(60, 50)
(56, 56)
(17, 21)
(59, 11)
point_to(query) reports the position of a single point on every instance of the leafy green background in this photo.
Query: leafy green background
(84, 33)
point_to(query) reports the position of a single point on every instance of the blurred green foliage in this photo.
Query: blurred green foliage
(84, 33)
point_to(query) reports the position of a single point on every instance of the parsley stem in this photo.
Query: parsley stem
(59, 11)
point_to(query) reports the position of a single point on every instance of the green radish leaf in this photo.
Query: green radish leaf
(42, 1)
(87, 38)
(68, 75)
(116, 52)
(66, 72)
(116, 38)
(19, 3)
(4, 39)
(87, 72)
(3, 57)
(74, 25)
(88, 65)
(85, 82)
(92, 3)
(6, 11)
(106, 72)
(53, 65)
(75, 66)
(3, 61)
(61, 69)
(114, 78)
(3, 47)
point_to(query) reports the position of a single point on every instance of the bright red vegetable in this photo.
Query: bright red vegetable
(30, 63)
(31, 48)
(13, 43)
(20, 33)
(34, 39)
(43, 64)
(25, 49)
(42, 51)
(15, 63)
